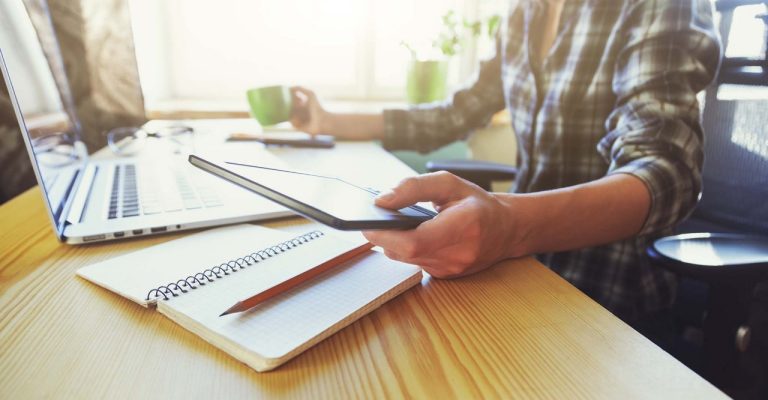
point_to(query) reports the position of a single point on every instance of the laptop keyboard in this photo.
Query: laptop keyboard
(155, 191)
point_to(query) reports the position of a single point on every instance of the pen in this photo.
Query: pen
(259, 298)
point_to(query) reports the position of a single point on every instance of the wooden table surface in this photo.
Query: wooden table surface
(516, 330)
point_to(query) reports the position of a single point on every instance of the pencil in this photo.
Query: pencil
(297, 280)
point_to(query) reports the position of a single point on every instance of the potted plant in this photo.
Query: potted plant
(427, 73)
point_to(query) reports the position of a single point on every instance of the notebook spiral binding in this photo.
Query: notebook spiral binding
(181, 286)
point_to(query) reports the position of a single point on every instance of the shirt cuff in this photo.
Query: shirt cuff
(396, 133)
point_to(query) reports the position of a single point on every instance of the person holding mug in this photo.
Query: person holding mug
(602, 98)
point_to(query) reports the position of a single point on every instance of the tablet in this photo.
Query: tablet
(328, 200)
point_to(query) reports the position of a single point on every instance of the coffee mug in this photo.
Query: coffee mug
(270, 105)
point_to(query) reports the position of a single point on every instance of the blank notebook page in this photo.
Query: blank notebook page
(273, 329)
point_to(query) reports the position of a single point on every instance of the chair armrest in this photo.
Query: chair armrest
(745, 75)
(713, 257)
(481, 173)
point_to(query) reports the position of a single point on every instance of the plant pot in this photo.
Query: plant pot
(426, 81)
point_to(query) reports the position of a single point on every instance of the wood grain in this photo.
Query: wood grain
(516, 330)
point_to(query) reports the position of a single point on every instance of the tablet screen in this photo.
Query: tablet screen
(328, 200)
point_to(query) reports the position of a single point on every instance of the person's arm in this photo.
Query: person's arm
(308, 115)
(671, 52)
(606, 210)
(355, 126)
(475, 229)
(422, 127)
(427, 127)
(653, 146)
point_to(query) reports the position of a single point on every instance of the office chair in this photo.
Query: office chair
(481, 173)
(729, 253)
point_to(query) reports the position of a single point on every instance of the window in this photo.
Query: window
(747, 34)
(214, 51)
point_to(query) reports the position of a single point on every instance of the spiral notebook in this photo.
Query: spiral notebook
(193, 279)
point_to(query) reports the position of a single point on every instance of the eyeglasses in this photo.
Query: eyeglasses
(55, 149)
(130, 140)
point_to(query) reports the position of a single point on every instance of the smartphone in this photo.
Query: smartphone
(316, 142)
(328, 200)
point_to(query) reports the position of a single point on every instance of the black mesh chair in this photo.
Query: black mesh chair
(481, 173)
(721, 253)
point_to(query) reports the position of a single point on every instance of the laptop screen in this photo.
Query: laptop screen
(56, 153)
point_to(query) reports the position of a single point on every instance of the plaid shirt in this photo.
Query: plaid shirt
(615, 94)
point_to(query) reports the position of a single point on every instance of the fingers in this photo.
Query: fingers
(301, 98)
(299, 116)
(299, 89)
(438, 187)
(436, 236)
(449, 245)
(302, 93)
(398, 245)
(440, 267)
(300, 109)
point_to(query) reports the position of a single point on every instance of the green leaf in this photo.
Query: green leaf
(493, 25)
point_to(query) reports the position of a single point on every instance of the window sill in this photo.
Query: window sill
(200, 109)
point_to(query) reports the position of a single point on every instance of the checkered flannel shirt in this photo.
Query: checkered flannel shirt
(615, 94)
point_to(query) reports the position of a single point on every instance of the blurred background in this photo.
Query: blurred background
(348, 50)
(123, 62)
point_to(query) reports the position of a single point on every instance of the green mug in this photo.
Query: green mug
(270, 105)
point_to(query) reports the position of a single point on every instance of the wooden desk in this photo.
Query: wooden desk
(516, 330)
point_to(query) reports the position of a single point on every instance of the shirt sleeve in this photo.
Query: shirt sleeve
(654, 133)
(430, 126)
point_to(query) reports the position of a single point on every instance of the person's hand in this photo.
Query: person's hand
(306, 112)
(308, 115)
(472, 231)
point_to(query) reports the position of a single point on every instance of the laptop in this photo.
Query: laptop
(113, 197)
